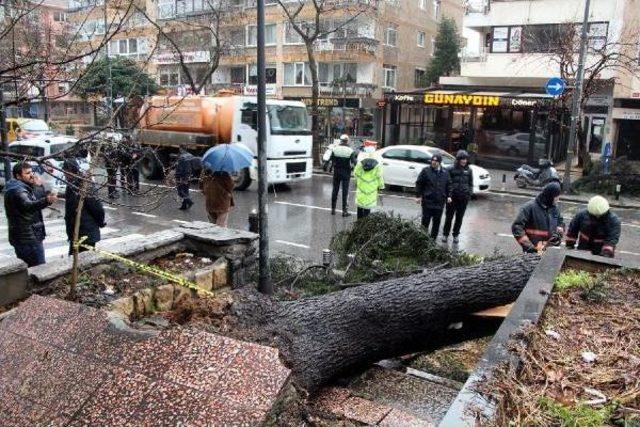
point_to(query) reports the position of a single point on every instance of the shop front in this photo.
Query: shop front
(341, 115)
(498, 127)
(628, 132)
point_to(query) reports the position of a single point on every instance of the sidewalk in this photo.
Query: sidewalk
(510, 187)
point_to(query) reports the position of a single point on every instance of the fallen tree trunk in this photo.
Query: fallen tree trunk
(325, 336)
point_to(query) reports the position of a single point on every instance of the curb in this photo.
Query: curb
(615, 205)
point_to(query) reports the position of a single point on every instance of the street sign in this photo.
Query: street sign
(555, 86)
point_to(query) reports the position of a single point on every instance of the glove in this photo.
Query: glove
(556, 239)
(530, 249)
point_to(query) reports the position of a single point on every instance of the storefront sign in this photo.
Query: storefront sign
(626, 114)
(334, 102)
(460, 99)
(252, 90)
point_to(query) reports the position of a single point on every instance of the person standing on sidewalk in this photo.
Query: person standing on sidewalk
(432, 190)
(539, 222)
(460, 191)
(343, 159)
(368, 175)
(23, 207)
(595, 229)
(184, 171)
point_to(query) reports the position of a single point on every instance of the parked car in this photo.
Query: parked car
(517, 144)
(19, 129)
(401, 165)
(39, 147)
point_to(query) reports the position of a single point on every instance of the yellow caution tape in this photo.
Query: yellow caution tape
(149, 269)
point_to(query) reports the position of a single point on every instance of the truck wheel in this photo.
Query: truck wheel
(242, 179)
(151, 167)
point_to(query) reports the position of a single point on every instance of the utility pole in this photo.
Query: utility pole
(264, 281)
(108, 59)
(3, 134)
(577, 98)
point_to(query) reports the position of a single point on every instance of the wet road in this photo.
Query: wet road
(301, 224)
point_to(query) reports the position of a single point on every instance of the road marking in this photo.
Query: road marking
(46, 224)
(626, 224)
(322, 174)
(110, 208)
(53, 239)
(179, 221)
(308, 206)
(629, 253)
(146, 215)
(297, 245)
(504, 235)
(167, 187)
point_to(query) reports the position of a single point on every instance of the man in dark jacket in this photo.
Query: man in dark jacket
(460, 191)
(539, 222)
(23, 207)
(595, 229)
(92, 216)
(343, 158)
(184, 171)
(130, 158)
(432, 189)
(112, 162)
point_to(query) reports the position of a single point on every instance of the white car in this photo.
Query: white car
(401, 165)
(46, 146)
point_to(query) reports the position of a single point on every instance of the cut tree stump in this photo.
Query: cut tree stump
(329, 335)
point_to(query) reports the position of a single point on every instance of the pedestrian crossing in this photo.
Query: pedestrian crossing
(56, 245)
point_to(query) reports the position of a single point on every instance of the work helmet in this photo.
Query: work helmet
(344, 137)
(598, 206)
(462, 154)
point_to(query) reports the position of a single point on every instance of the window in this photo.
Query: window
(389, 76)
(422, 37)
(436, 9)
(391, 36)
(270, 74)
(59, 16)
(396, 154)
(291, 36)
(238, 75)
(500, 39)
(169, 78)
(132, 46)
(418, 156)
(60, 41)
(597, 35)
(423, 4)
(543, 38)
(236, 37)
(269, 34)
(433, 46)
(297, 74)
(63, 88)
(420, 77)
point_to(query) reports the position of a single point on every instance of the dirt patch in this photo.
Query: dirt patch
(581, 365)
(101, 285)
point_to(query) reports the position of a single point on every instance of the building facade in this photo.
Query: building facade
(517, 46)
(385, 48)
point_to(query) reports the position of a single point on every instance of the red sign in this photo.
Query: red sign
(635, 95)
(382, 103)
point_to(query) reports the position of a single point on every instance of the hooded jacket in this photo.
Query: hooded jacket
(539, 219)
(433, 186)
(23, 207)
(596, 234)
(461, 181)
(92, 217)
(369, 181)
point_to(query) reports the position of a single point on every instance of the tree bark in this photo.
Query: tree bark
(315, 110)
(333, 334)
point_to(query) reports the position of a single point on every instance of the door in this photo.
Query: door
(395, 167)
(597, 134)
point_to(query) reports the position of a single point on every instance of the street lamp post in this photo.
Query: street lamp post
(577, 97)
(264, 278)
(3, 136)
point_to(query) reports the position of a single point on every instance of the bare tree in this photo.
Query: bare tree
(314, 20)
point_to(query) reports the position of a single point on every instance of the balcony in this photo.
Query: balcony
(349, 89)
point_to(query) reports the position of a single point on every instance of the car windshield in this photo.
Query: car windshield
(56, 148)
(26, 150)
(35, 126)
(287, 120)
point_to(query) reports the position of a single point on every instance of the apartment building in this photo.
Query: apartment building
(386, 48)
(515, 46)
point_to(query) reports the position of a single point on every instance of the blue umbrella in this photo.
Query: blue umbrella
(227, 158)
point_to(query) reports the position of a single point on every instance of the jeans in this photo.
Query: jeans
(429, 215)
(456, 208)
(31, 253)
(362, 212)
(339, 181)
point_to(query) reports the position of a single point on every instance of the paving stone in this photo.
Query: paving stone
(331, 398)
(397, 418)
(363, 410)
(204, 278)
(169, 405)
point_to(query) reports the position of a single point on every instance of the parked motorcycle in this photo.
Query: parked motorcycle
(537, 177)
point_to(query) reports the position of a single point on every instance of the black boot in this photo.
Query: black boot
(184, 205)
(346, 213)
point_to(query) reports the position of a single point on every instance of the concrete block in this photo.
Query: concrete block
(163, 297)
(204, 278)
(13, 279)
(143, 302)
(180, 294)
(124, 306)
(220, 273)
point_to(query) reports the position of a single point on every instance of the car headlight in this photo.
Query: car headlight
(485, 176)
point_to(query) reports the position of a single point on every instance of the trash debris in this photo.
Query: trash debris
(109, 290)
(206, 260)
(184, 255)
(589, 356)
(553, 334)
(601, 398)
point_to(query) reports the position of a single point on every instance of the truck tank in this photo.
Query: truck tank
(192, 114)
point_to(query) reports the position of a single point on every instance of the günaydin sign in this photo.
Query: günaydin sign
(459, 99)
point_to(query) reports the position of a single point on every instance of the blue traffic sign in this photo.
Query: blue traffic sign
(555, 86)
